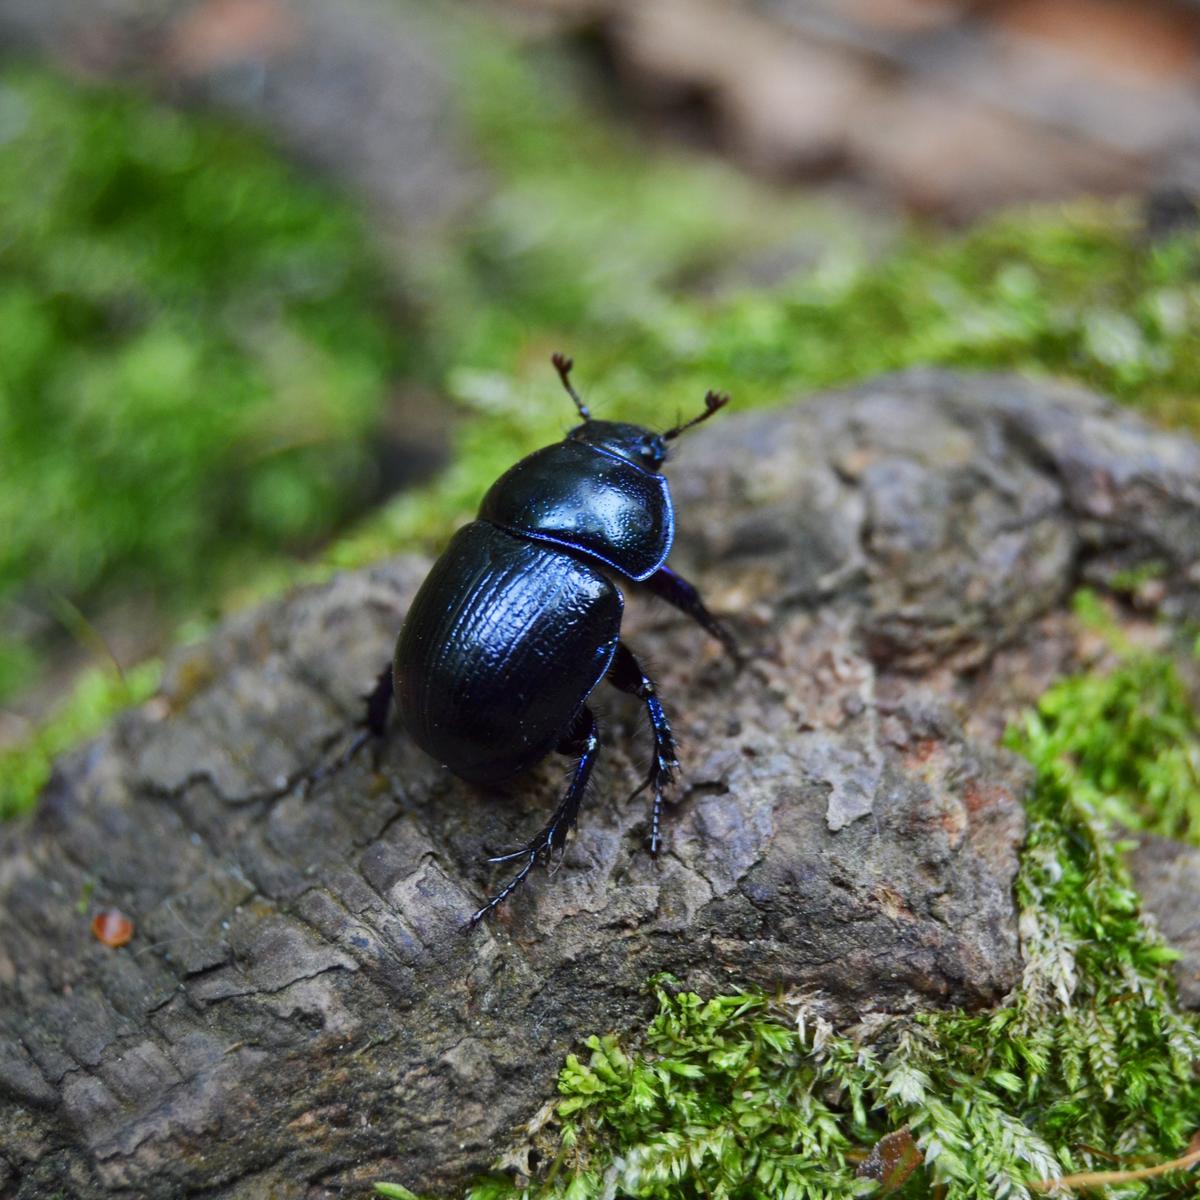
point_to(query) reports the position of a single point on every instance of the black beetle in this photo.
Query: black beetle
(518, 621)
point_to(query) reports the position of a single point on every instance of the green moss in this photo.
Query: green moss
(97, 696)
(192, 352)
(1131, 740)
(19, 667)
(750, 1096)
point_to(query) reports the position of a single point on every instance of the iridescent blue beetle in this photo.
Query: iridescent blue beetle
(519, 621)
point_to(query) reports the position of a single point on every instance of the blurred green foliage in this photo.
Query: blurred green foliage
(646, 265)
(96, 695)
(194, 349)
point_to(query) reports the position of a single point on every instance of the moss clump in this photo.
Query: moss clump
(97, 695)
(1090, 1060)
(1131, 742)
(192, 350)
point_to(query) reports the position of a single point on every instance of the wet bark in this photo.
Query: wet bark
(299, 1010)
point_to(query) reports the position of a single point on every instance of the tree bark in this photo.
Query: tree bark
(300, 1010)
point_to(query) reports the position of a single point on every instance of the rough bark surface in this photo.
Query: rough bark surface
(299, 1010)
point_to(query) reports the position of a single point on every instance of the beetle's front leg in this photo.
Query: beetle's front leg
(584, 742)
(678, 592)
(626, 675)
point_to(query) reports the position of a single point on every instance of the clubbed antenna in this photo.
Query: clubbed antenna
(713, 402)
(563, 365)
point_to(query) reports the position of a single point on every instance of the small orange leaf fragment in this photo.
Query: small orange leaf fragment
(112, 927)
(892, 1160)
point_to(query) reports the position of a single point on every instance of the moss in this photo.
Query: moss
(97, 696)
(1131, 740)
(1090, 1059)
(192, 349)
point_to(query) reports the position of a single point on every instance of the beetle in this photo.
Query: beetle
(519, 620)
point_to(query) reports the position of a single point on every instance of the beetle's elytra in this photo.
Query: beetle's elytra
(519, 620)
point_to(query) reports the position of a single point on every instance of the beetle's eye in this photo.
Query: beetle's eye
(650, 453)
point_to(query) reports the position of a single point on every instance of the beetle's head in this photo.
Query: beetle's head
(641, 446)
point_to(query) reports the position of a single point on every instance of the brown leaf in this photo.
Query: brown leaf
(892, 1160)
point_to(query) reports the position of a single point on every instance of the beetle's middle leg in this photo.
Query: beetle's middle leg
(581, 742)
(372, 725)
(626, 675)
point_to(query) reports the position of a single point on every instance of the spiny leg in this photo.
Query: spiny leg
(371, 726)
(678, 592)
(626, 675)
(581, 741)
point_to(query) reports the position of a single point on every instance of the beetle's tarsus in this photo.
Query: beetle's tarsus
(508, 889)
(372, 727)
(661, 777)
(512, 857)
(583, 742)
(362, 738)
(626, 675)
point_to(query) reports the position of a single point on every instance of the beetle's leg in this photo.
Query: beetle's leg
(373, 723)
(378, 701)
(582, 742)
(626, 675)
(371, 727)
(676, 591)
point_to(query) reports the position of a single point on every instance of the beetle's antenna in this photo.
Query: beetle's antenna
(713, 402)
(563, 365)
